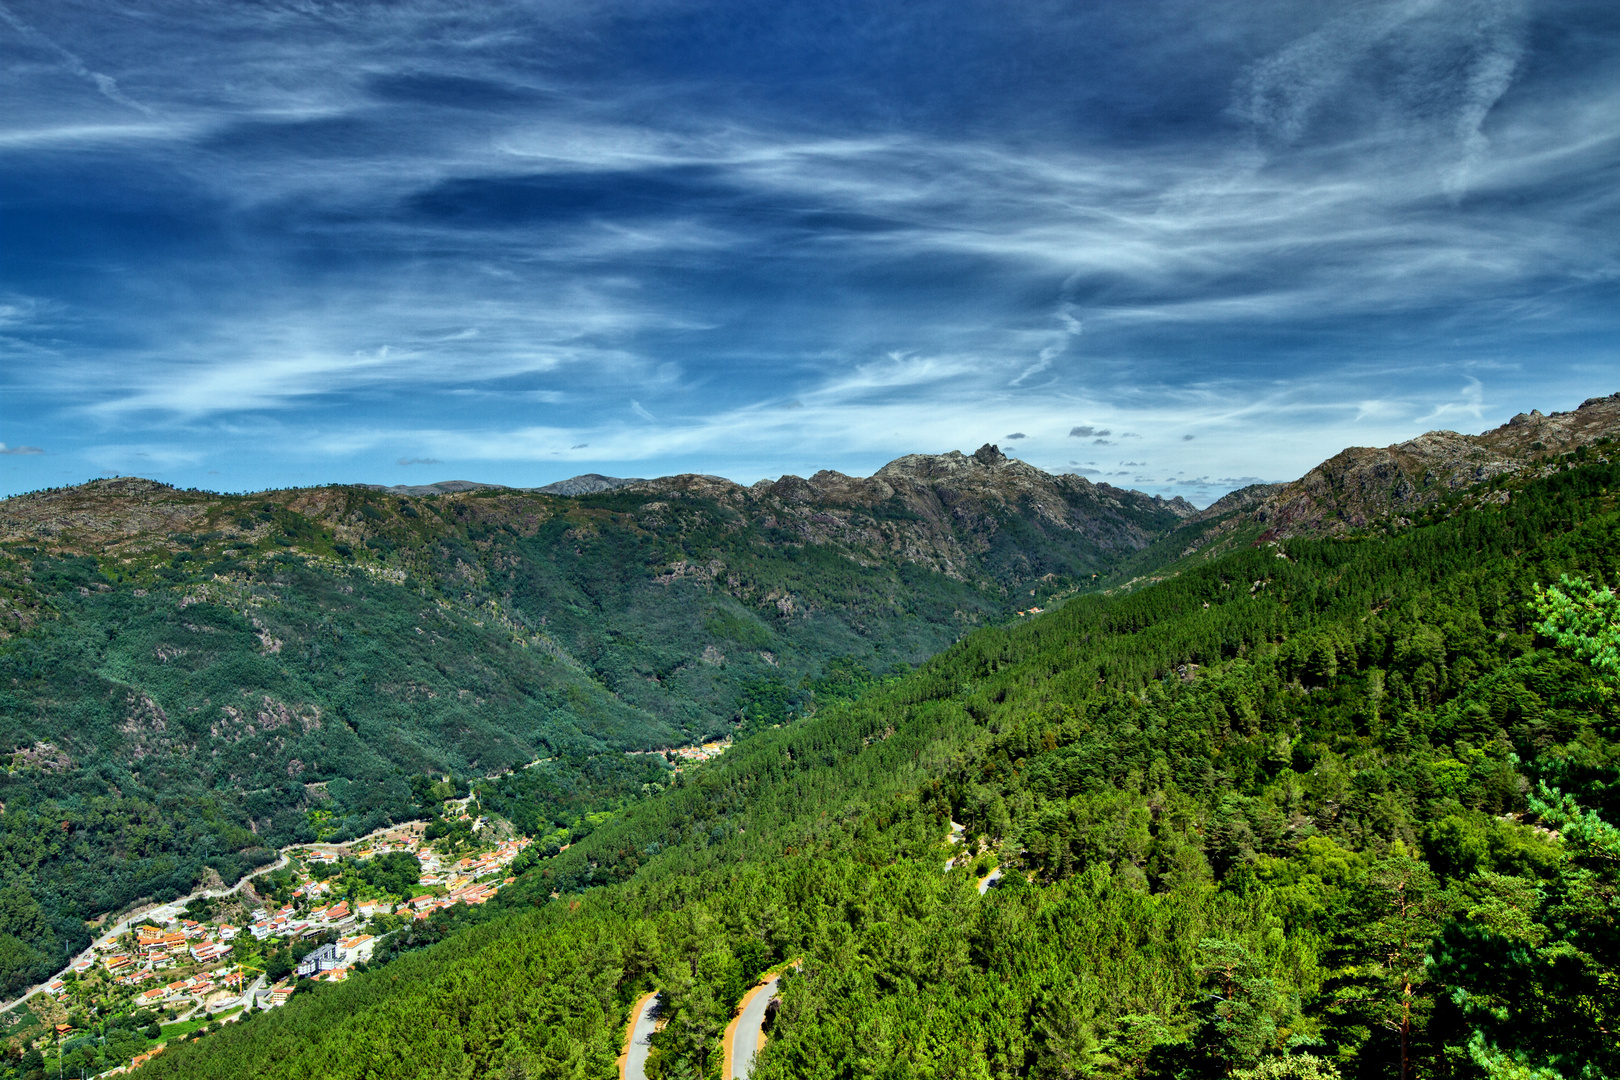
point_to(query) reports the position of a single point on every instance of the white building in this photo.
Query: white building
(357, 949)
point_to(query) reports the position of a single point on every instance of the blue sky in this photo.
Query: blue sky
(1178, 245)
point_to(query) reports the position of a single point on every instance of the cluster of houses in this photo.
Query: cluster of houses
(140, 957)
(499, 859)
(475, 894)
(152, 948)
(204, 949)
(405, 839)
(199, 986)
(333, 961)
(688, 755)
(167, 940)
(698, 754)
(287, 923)
(461, 879)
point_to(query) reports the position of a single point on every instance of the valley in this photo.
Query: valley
(1194, 796)
(190, 681)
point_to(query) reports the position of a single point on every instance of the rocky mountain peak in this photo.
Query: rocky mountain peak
(587, 484)
(1360, 485)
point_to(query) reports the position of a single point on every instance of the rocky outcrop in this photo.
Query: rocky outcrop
(145, 508)
(443, 487)
(586, 484)
(945, 511)
(972, 516)
(1363, 485)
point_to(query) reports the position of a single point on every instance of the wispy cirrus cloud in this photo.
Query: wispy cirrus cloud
(105, 84)
(506, 221)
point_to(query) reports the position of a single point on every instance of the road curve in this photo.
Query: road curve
(638, 1038)
(746, 1034)
(988, 880)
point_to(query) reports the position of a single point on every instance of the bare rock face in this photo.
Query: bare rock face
(585, 485)
(1362, 485)
(945, 511)
(145, 507)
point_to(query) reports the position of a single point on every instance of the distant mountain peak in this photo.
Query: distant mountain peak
(586, 484)
(443, 487)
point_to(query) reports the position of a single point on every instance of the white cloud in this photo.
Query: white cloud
(105, 84)
(1330, 223)
(1469, 403)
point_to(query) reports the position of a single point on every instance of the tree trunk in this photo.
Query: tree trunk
(1406, 1029)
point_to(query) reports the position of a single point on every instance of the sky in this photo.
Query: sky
(1175, 245)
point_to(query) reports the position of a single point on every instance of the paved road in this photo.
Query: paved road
(246, 1000)
(747, 1036)
(750, 1034)
(633, 1066)
(175, 906)
(141, 915)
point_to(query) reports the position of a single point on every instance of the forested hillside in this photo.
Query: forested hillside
(189, 680)
(1323, 807)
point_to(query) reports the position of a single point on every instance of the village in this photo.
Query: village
(681, 756)
(319, 917)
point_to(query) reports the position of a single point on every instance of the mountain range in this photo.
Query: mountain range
(191, 680)
(188, 679)
(1332, 797)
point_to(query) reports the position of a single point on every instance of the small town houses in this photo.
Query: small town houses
(179, 966)
(209, 951)
(176, 964)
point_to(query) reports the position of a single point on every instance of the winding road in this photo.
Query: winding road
(745, 1035)
(141, 914)
(638, 1040)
